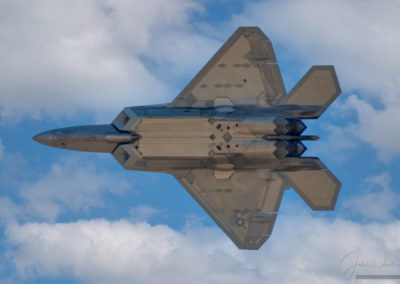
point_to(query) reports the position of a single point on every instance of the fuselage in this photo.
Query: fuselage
(232, 138)
(162, 138)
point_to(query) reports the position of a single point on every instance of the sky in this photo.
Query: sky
(72, 217)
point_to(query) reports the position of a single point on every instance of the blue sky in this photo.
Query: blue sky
(70, 217)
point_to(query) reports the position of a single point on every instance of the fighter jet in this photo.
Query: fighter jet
(232, 138)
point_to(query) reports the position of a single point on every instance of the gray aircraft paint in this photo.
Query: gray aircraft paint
(232, 138)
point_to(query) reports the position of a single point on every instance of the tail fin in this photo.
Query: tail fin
(318, 88)
(319, 188)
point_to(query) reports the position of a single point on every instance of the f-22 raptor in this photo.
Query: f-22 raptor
(232, 138)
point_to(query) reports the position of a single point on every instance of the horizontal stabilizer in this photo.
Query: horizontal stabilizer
(318, 188)
(318, 88)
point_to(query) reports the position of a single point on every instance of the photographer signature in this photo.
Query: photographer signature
(353, 262)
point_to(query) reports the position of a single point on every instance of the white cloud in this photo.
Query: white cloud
(13, 169)
(99, 251)
(143, 212)
(53, 65)
(338, 140)
(379, 128)
(71, 185)
(86, 55)
(376, 201)
(58, 58)
(9, 210)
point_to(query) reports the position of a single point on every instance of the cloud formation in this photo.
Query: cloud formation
(113, 54)
(376, 201)
(143, 212)
(59, 58)
(89, 55)
(100, 251)
(379, 128)
(71, 185)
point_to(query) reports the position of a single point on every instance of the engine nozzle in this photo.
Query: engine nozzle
(289, 149)
(289, 126)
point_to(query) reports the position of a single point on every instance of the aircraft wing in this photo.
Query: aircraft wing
(243, 72)
(244, 203)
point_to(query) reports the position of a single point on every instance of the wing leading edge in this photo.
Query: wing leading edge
(244, 71)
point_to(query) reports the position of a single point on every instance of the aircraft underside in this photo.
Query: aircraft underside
(232, 138)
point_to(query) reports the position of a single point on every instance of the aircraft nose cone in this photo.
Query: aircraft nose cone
(45, 138)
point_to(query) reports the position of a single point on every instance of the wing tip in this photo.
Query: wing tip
(248, 245)
(250, 29)
(332, 70)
